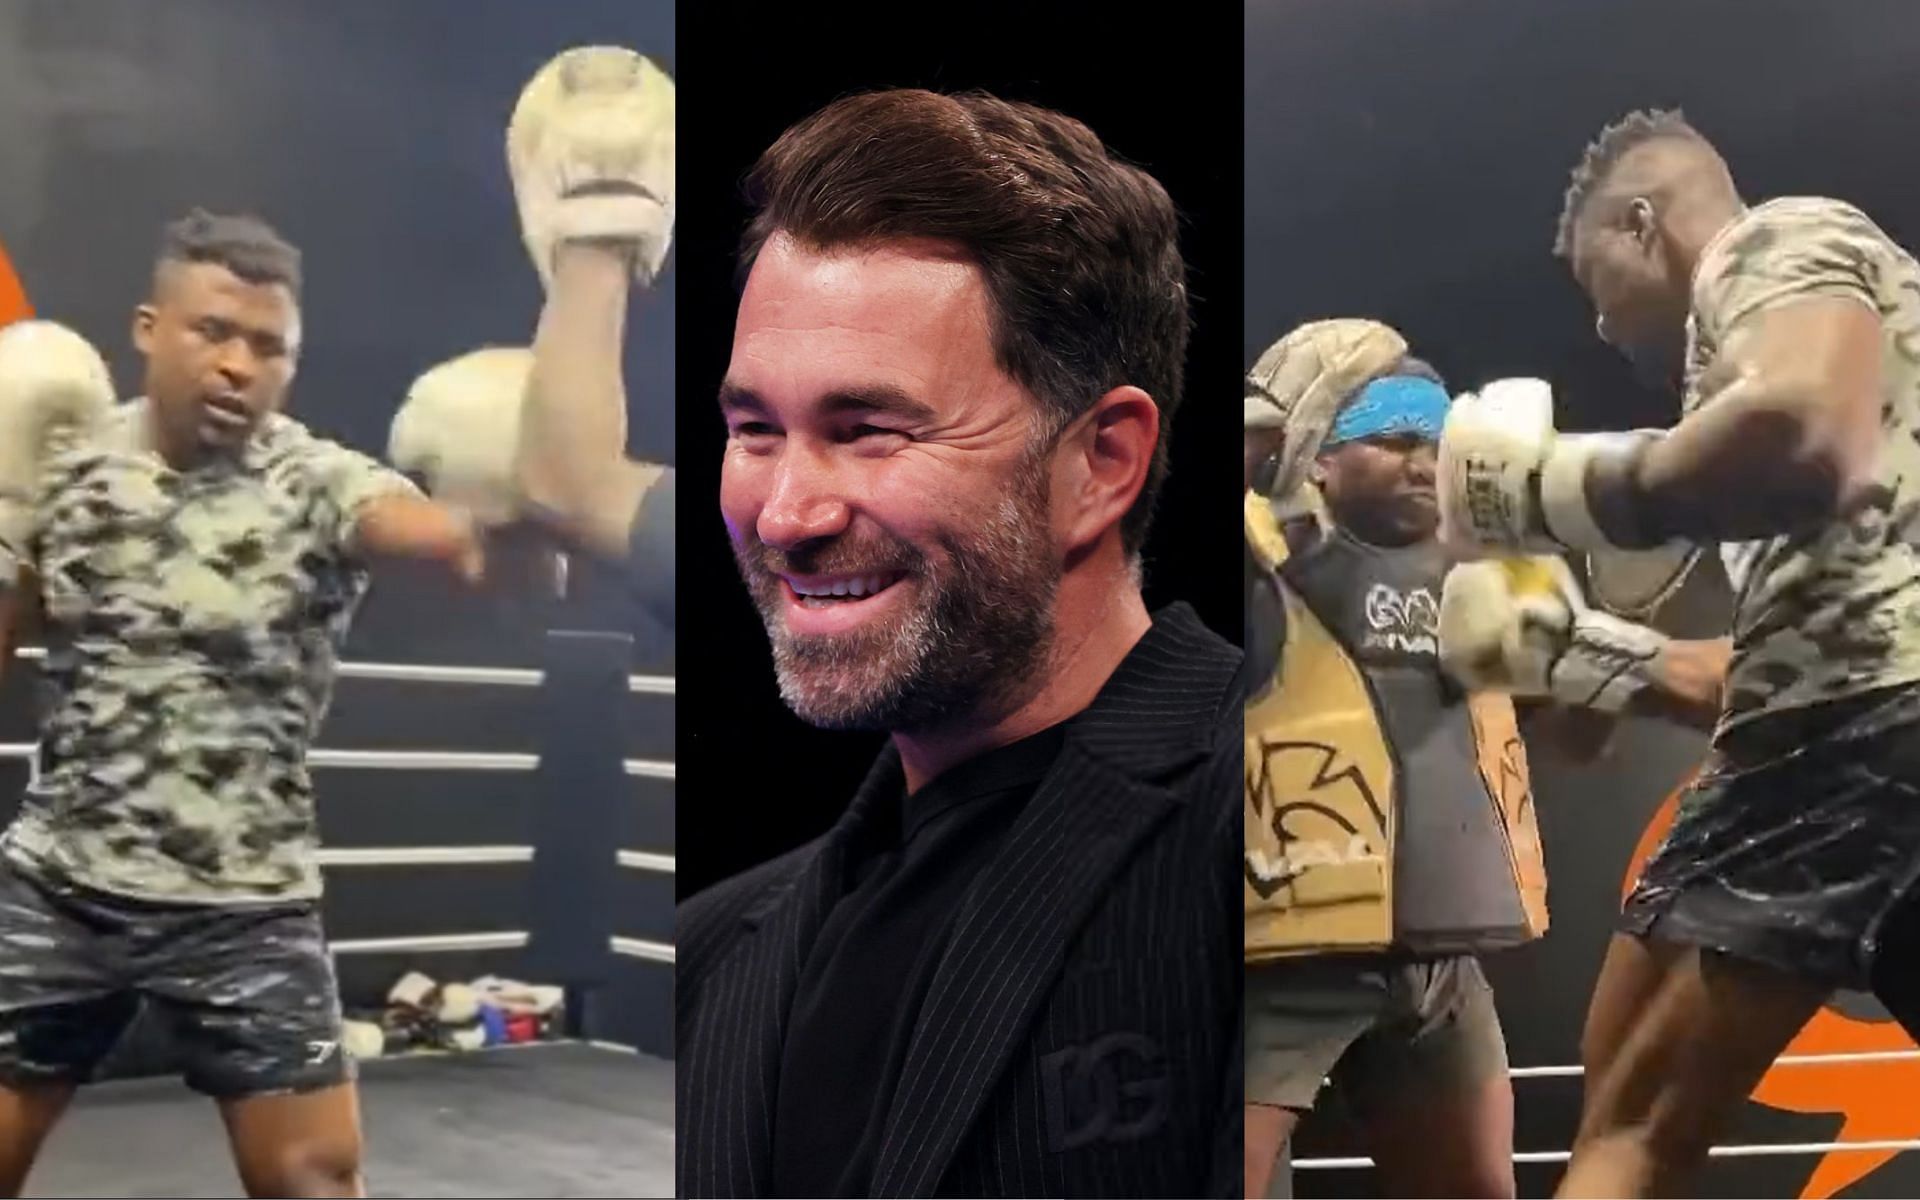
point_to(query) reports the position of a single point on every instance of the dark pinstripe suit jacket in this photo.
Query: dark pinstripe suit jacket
(1082, 1035)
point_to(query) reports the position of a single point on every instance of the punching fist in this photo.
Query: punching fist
(591, 150)
(1522, 626)
(53, 386)
(460, 430)
(1508, 482)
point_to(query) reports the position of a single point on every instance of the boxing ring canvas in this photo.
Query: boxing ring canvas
(572, 1120)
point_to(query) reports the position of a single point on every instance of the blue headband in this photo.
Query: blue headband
(1399, 404)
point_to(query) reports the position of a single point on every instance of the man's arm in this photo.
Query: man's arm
(572, 464)
(1688, 684)
(1784, 437)
(1685, 687)
(404, 524)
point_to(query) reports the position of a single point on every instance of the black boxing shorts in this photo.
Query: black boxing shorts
(247, 993)
(1797, 843)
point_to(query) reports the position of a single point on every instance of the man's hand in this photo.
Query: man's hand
(1509, 483)
(1521, 626)
(402, 525)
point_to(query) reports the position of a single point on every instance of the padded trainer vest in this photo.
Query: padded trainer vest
(1384, 808)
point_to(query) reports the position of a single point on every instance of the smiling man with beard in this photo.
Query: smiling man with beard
(1010, 967)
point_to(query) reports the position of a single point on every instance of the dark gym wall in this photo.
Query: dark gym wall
(1407, 162)
(372, 136)
(1162, 95)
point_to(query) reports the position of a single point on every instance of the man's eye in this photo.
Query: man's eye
(868, 431)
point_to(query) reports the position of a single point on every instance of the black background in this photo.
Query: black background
(1407, 161)
(1164, 94)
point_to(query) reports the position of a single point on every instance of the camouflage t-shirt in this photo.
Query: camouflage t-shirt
(192, 624)
(1831, 612)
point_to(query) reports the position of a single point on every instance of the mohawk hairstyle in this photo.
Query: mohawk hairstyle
(1630, 132)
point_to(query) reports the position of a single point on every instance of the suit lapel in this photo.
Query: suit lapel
(1008, 944)
(1104, 796)
(766, 969)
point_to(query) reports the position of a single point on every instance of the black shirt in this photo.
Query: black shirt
(860, 992)
(650, 553)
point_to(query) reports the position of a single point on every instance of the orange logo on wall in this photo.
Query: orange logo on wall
(1876, 1100)
(13, 297)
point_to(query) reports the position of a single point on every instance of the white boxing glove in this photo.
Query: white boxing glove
(1521, 626)
(460, 430)
(54, 386)
(591, 150)
(1508, 482)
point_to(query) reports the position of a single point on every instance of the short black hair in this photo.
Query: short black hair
(1417, 368)
(242, 243)
(1630, 132)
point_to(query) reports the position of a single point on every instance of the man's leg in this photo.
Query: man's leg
(27, 1115)
(59, 1013)
(1269, 1128)
(1681, 1070)
(1434, 1088)
(1302, 1015)
(256, 1012)
(297, 1143)
(1896, 963)
(1630, 975)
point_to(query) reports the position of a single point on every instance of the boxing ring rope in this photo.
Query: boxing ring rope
(652, 685)
(419, 760)
(1785, 1060)
(1735, 1151)
(512, 939)
(425, 856)
(1837, 1058)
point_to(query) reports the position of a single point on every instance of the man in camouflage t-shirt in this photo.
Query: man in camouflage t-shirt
(1793, 328)
(196, 557)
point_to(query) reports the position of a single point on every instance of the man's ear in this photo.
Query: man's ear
(1641, 221)
(1104, 458)
(145, 316)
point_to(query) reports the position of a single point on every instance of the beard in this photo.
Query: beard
(979, 627)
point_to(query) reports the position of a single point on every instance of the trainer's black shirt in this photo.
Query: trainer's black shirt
(650, 554)
(862, 986)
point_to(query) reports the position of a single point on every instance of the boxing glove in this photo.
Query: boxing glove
(362, 1039)
(1521, 626)
(54, 387)
(591, 150)
(1508, 482)
(459, 1004)
(411, 991)
(459, 429)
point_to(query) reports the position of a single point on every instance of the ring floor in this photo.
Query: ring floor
(565, 1119)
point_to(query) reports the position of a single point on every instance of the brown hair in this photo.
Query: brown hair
(1079, 250)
